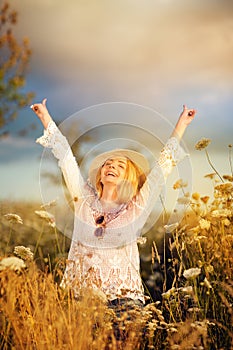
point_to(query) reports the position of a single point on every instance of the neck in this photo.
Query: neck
(109, 194)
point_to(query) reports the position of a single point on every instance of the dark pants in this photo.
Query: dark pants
(125, 304)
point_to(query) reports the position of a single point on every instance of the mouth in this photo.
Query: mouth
(110, 173)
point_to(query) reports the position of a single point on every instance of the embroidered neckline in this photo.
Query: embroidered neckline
(97, 210)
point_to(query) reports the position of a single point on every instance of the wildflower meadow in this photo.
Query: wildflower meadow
(186, 267)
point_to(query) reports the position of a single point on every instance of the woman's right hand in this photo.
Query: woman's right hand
(42, 113)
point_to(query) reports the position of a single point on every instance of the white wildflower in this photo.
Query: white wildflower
(204, 224)
(12, 263)
(23, 252)
(221, 213)
(13, 218)
(192, 273)
(187, 290)
(47, 216)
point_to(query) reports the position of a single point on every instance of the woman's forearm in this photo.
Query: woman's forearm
(179, 130)
(45, 120)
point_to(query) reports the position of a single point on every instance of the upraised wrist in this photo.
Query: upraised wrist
(46, 119)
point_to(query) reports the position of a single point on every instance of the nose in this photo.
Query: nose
(112, 166)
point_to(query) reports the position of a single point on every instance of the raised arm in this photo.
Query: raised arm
(170, 155)
(42, 112)
(60, 147)
(184, 120)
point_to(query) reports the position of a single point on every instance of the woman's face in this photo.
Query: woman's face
(113, 171)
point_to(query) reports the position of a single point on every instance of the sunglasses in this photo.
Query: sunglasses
(100, 223)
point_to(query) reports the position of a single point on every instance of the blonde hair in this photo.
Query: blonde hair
(129, 187)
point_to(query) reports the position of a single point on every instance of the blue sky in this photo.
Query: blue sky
(160, 54)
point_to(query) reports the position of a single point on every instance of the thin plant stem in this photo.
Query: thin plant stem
(212, 166)
(230, 159)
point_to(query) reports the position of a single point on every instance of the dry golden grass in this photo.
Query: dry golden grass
(190, 271)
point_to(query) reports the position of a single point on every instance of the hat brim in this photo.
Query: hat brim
(137, 158)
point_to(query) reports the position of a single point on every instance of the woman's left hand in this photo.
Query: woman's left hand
(184, 120)
(187, 115)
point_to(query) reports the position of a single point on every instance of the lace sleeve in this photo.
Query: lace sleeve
(170, 155)
(53, 138)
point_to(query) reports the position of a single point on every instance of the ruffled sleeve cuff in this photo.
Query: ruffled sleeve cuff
(46, 140)
(171, 154)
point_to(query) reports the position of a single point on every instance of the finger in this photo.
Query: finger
(184, 107)
(34, 107)
(44, 102)
(192, 112)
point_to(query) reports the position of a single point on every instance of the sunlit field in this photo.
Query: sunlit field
(186, 268)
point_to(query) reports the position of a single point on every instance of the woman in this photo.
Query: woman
(111, 208)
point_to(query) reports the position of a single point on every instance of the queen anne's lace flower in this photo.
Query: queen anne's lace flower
(13, 218)
(47, 216)
(12, 263)
(203, 143)
(192, 273)
(23, 252)
(218, 213)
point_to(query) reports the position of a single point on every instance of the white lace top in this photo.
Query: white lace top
(110, 263)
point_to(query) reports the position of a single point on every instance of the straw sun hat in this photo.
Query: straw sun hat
(137, 158)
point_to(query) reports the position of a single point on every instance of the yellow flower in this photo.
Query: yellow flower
(211, 175)
(226, 222)
(224, 188)
(228, 177)
(204, 224)
(196, 196)
(203, 143)
(179, 184)
(205, 199)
